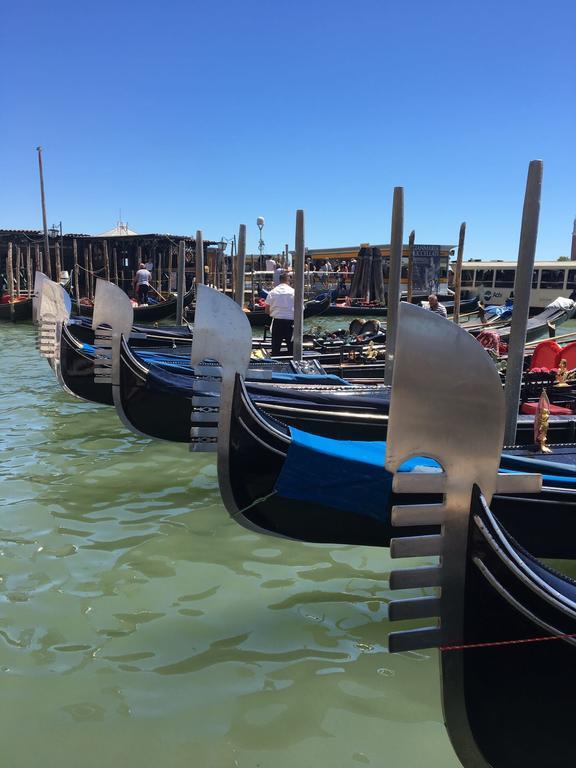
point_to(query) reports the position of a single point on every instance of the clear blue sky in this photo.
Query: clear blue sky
(190, 115)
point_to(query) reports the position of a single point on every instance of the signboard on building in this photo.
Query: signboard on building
(426, 269)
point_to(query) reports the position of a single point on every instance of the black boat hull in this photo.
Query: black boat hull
(466, 305)
(519, 695)
(149, 313)
(17, 311)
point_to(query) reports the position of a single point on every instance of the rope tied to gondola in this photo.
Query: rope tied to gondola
(498, 643)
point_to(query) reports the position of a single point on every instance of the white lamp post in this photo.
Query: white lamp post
(260, 225)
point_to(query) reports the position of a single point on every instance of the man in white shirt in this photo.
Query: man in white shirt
(280, 306)
(142, 284)
(270, 265)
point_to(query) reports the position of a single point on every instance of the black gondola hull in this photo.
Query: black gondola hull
(16, 311)
(518, 695)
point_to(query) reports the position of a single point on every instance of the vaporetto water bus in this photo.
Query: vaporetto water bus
(493, 281)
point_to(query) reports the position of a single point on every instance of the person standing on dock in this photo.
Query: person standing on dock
(142, 280)
(280, 306)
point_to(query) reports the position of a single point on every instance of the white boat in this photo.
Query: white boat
(493, 281)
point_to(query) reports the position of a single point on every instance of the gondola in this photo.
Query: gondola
(362, 310)
(149, 313)
(74, 364)
(23, 308)
(156, 393)
(156, 390)
(259, 319)
(16, 311)
(159, 401)
(507, 641)
(140, 336)
(289, 483)
(507, 621)
(540, 325)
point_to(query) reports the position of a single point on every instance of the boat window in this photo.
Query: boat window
(504, 278)
(571, 282)
(484, 277)
(535, 275)
(467, 277)
(552, 278)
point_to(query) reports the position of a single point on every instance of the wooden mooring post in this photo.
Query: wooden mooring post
(299, 250)
(18, 268)
(39, 266)
(106, 261)
(240, 267)
(181, 283)
(199, 257)
(409, 278)
(29, 273)
(76, 275)
(57, 263)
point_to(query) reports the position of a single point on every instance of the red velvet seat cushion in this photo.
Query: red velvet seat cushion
(555, 410)
(545, 355)
(568, 353)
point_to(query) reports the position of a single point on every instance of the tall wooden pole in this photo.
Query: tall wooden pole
(86, 274)
(43, 199)
(106, 261)
(298, 276)
(10, 272)
(411, 239)
(10, 279)
(76, 275)
(240, 266)
(199, 257)
(115, 264)
(38, 258)
(222, 258)
(90, 273)
(522, 288)
(394, 275)
(180, 285)
(48, 262)
(18, 268)
(57, 263)
(252, 281)
(458, 273)
(233, 262)
(170, 267)
(29, 278)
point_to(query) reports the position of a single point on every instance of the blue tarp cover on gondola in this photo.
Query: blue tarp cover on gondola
(343, 474)
(502, 311)
(183, 382)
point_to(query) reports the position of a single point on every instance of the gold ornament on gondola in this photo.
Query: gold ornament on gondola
(371, 352)
(541, 421)
(562, 375)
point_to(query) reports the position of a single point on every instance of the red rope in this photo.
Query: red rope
(497, 643)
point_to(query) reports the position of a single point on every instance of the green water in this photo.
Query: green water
(140, 626)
